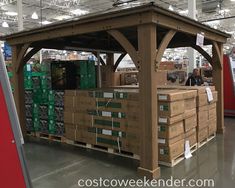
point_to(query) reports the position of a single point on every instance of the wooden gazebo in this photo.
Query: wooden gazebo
(144, 33)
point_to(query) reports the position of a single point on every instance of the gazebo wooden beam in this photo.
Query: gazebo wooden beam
(217, 72)
(125, 43)
(120, 58)
(20, 54)
(163, 45)
(184, 27)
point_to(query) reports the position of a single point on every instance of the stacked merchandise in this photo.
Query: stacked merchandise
(107, 118)
(206, 112)
(44, 107)
(86, 74)
(176, 122)
(205, 109)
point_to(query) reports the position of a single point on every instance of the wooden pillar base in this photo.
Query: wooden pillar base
(220, 131)
(149, 174)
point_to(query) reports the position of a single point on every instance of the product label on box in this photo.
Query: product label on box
(162, 151)
(108, 95)
(107, 132)
(163, 108)
(162, 120)
(162, 97)
(106, 114)
(119, 115)
(161, 140)
(121, 96)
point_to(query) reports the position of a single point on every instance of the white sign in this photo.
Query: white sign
(187, 151)
(209, 94)
(200, 39)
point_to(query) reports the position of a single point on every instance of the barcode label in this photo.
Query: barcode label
(162, 97)
(162, 120)
(108, 95)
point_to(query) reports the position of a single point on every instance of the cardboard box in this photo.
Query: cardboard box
(170, 108)
(190, 123)
(169, 95)
(189, 113)
(170, 131)
(190, 103)
(170, 120)
(212, 128)
(167, 142)
(190, 132)
(191, 136)
(168, 153)
(202, 134)
(68, 117)
(212, 114)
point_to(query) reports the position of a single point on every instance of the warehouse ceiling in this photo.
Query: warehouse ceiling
(219, 14)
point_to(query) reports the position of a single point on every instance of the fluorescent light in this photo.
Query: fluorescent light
(79, 12)
(224, 11)
(45, 22)
(232, 0)
(183, 12)
(171, 8)
(34, 16)
(5, 24)
(63, 17)
(11, 13)
(215, 27)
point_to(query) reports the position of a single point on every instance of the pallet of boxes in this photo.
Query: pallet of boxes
(194, 109)
(177, 123)
(206, 114)
(105, 120)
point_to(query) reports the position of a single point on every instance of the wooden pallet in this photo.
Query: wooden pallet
(211, 137)
(173, 162)
(50, 137)
(202, 143)
(103, 149)
(194, 148)
(32, 134)
(206, 140)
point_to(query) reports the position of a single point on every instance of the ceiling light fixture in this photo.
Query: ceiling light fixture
(45, 22)
(34, 16)
(171, 8)
(5, 24)
(183, 12)
(11, 13)
(79, 12)
(63, 17)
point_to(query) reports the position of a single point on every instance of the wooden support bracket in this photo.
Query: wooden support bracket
(120, 58)
(164, 43)
(20, 55)
(26, 58)
(218, 53)
(125, 43)
(101, 60)
(203, 53)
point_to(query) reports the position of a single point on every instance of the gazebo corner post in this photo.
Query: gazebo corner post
(217, 57)
(110, 69)
(147, 46)
(18, 84)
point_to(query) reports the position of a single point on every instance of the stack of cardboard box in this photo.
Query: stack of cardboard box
(108, 118)
(176, 121)
(206, 113)
(205, 110)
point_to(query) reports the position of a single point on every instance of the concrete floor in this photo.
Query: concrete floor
(56, 166)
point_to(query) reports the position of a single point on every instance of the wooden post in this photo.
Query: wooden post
(18, 82)
(148, 98)
(109, 69)
(217, 57)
